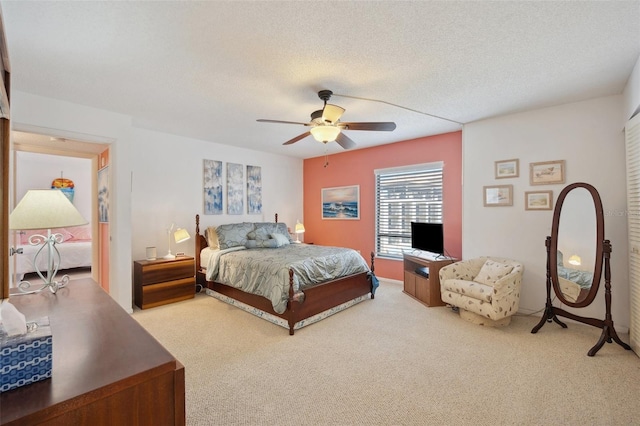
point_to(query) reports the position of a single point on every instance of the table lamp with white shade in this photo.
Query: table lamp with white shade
(299, 230)
(180, 235)
(45, 209)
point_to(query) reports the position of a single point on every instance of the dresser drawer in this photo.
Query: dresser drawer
(167, 292)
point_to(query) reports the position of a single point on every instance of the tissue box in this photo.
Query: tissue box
(26, 358)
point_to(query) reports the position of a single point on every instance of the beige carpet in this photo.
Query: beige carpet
(393, 361)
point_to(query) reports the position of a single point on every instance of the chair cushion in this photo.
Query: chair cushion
(492, 271)
(469, 288)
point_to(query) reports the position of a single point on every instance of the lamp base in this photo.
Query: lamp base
(52, 285)
(169, 256)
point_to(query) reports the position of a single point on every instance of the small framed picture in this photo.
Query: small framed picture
(538, 200)
(546, 173)
(507, 169)
(498, 195)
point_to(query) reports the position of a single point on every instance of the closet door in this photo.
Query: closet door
(632, 137)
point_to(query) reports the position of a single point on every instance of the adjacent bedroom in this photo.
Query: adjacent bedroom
(73, 177)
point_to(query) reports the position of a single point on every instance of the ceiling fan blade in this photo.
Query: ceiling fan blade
(332, 113)
(262, 120)
(378, 126)
(297, 138)
(345, 141)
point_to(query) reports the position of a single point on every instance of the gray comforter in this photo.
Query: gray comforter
(265, 271)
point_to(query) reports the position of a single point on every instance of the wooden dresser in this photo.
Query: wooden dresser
(162, 281)
(422, 277)
(107, 369)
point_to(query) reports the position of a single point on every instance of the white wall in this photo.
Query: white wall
(36, 171)
(589, 136)
(168, 188)
(159, 174)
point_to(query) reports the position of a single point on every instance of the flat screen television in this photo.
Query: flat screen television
(427, 237)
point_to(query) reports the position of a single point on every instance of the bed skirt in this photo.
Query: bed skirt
(281, 321)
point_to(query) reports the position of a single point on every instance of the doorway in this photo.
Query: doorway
(51, 155)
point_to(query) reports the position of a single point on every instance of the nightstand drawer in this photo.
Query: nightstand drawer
(161, 281)
(161, 272)
(167, 292)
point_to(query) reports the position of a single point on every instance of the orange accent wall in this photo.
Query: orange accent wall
(357, 168)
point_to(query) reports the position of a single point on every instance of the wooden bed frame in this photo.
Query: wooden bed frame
(301, 305)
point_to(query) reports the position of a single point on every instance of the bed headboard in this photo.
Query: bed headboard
(201, 241)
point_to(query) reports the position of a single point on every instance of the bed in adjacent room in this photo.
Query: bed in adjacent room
(75, 250)
(255, 266)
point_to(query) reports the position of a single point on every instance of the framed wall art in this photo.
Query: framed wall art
(212, 187)
(538, 200)
(103, 195)
(546, 173)
(254, 189)
(235, 188)
(341, 202)
(498, 195)
(507, 169)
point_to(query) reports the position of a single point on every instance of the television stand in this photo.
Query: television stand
(425, 289)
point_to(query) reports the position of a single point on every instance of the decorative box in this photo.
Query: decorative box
(26, 358)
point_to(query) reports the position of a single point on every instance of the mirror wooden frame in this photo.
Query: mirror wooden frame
(603, 255)
(599, 258)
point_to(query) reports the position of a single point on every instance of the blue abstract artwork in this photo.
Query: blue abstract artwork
(235, 188)
(212, 172)
(254, 189)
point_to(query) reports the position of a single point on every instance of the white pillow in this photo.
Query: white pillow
(281, 240)
(492, 271)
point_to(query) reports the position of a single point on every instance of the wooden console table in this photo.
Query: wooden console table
(107, 369)
(422, 278)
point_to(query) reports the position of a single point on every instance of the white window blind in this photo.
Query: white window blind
(404, 195)
(632, 137)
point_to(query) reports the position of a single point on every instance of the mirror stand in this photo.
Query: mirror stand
(551, 312)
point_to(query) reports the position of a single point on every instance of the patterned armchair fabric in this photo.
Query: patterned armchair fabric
(486, 286)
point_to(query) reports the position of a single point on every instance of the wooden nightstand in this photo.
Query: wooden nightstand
(162, 281)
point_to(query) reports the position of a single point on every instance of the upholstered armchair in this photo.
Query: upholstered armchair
(485, 289)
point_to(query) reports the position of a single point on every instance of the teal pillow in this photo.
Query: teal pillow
(233, 234)
(270, 243)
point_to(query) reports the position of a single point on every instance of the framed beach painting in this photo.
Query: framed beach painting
(538, 200)
(341, 202)
(546, 173)
(498, 195)
(507, 169)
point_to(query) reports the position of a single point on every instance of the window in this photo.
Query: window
(404, 195)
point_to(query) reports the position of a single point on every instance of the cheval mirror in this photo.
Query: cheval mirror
(576, 255)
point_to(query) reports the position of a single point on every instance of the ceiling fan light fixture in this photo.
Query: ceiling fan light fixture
(332, 113)
(325, 133)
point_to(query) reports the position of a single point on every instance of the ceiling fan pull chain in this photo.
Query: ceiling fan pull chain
(326, 158)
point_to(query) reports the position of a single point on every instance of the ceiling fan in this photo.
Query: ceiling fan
(326, 125)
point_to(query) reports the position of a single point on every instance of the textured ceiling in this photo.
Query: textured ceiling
(208, 70)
